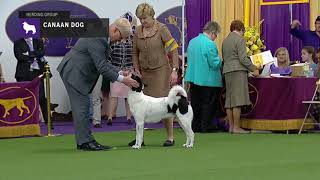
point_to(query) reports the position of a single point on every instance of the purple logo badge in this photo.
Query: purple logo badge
(29, 27)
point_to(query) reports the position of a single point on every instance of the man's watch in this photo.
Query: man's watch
(174, 69)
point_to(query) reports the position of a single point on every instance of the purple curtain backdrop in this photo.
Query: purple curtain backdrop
(198, 13)
(276, 27)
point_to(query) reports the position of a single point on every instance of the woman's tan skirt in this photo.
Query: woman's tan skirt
(237, 92)
(156, 81)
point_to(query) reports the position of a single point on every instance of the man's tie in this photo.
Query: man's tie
(34, 64)
(30, 44)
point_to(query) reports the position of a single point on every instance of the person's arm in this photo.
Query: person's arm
(214, 60)
(18, 53)
(39, 52)
(171, 46)
(295, 31)
(244, 59)
(135, 53)
(97, 50)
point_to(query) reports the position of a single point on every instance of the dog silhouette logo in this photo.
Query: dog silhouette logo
(9, 104)
(29, 27)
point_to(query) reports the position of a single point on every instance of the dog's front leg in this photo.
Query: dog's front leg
(139, 135)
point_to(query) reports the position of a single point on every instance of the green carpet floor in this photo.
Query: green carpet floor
(215, 156)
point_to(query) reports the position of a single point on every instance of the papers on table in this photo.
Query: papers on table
(262, 58)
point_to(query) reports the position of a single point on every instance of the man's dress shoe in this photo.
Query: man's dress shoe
(92, 146)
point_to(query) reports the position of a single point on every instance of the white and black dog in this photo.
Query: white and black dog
(147, 109)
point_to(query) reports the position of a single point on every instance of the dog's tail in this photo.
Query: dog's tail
(174, 94)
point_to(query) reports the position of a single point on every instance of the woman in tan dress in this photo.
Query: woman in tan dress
(235, 69)
(152, 43)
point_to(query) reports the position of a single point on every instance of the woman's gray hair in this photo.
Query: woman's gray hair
(212, 27)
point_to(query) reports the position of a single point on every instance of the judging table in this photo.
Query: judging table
(277, 102)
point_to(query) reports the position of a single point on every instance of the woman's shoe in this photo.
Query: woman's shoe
(109, 122)
(240, 131)
(168, 143)
(97, 125)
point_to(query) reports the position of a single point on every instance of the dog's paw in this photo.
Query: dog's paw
(136, 147)
(188, 145)
(184, 145)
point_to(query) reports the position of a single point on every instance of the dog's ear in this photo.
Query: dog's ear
(135, 77)
(181, 95)
(138, 79)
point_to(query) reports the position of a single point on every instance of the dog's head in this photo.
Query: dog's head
(138, 79)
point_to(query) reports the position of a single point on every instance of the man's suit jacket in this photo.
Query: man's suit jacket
(20, 48)
(82, 65)
(234, 54)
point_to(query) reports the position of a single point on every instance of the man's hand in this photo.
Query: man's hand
(125, 73)
(295, 23)
(173, 78)
(128, 81)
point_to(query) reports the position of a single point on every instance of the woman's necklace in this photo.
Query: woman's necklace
(148, 31)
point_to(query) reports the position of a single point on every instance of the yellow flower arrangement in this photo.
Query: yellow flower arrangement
(254, 43)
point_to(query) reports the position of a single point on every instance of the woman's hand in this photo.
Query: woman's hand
(256, 73)
(137, 72)
(173, 78)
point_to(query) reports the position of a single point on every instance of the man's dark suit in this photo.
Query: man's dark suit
(25, 58)
(79, 70)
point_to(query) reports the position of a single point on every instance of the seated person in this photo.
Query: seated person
(308, 56)
(282, 65)
(318, 59)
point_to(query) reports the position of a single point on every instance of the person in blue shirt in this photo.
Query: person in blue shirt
(308, 56)
(204, 75)
(308, 38)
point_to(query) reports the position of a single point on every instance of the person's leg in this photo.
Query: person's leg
(168, 123)
(105, 105)
(113, 107)
(43, 102)
(96, 103)
(195, 104)
(230, 119)
(236, 112)
(128, 112)
(80, 113)
(208, 97)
